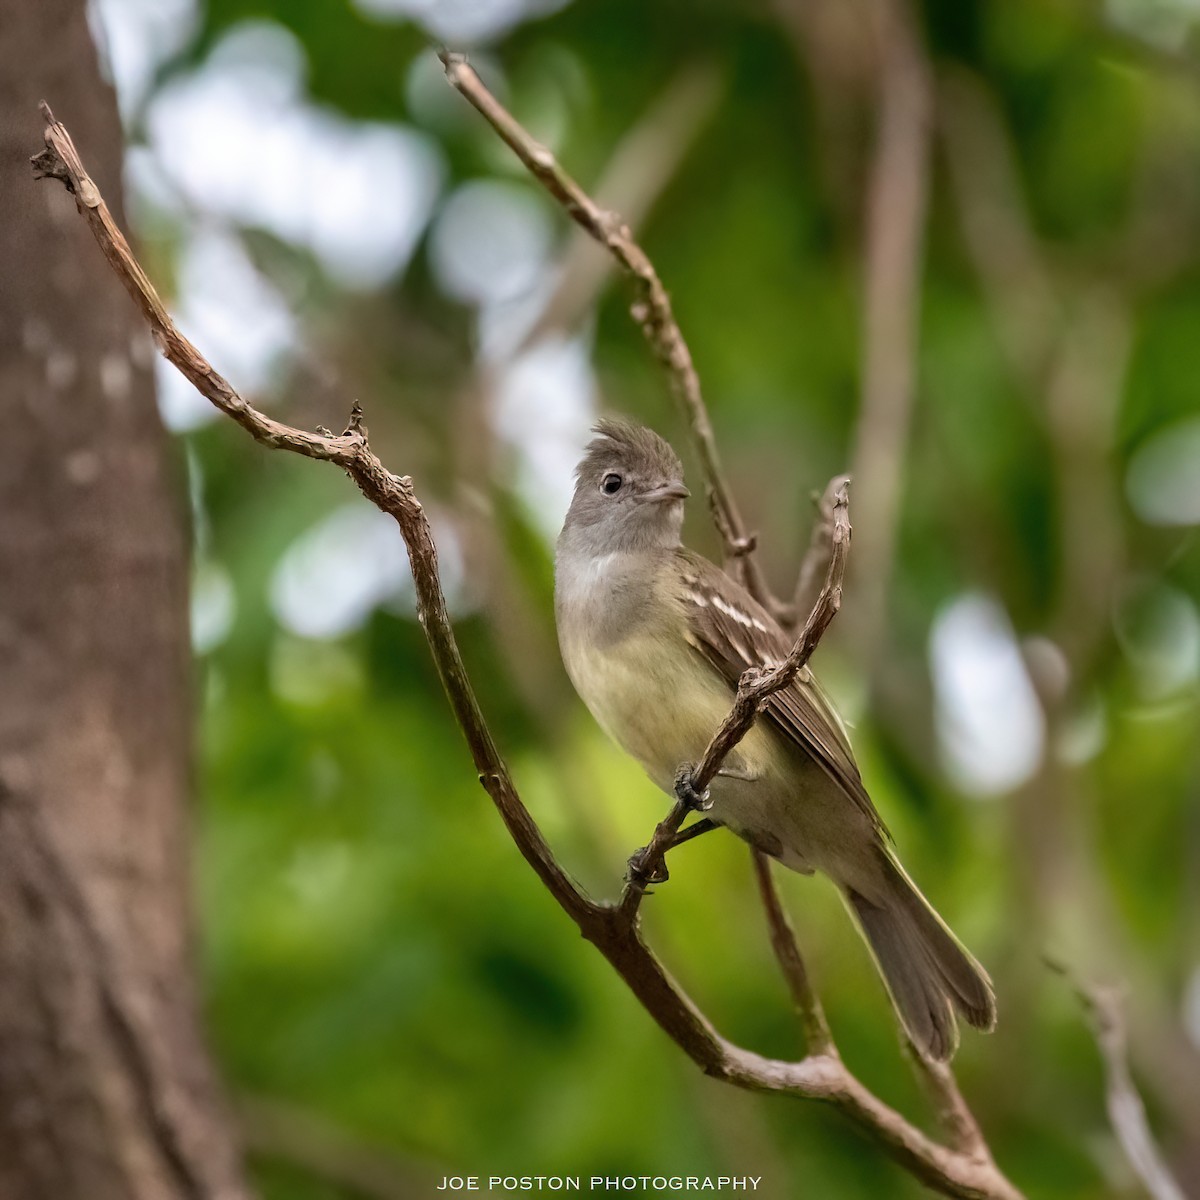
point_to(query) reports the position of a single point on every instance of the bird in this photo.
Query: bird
(655, 638)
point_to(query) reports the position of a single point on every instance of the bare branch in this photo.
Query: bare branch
(648, 864)
(642, 164)
(828, 1079)
(1105, 1006)
(60, 160)
(826, 555)
(653, 310)
(392, 494)
(819, 1076)
(818, 1038)
(953, 1114)
(815, 564)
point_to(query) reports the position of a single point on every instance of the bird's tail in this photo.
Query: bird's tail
(928, 973)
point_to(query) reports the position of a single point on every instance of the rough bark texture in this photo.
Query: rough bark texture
(105, 1087)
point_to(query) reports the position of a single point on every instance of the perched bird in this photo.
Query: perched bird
(655, 639)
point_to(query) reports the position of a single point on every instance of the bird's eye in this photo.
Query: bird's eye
(610, 485)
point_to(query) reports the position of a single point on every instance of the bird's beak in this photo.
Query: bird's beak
(668, 492)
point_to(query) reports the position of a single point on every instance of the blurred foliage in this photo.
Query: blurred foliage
(375, 950)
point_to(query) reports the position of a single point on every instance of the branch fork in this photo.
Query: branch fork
(952, 1169)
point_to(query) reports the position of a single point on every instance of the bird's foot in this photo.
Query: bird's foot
(685, 789)
(640, 874)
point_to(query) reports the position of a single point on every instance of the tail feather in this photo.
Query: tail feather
(928, 973)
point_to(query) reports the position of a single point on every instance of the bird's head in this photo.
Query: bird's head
(629, 490)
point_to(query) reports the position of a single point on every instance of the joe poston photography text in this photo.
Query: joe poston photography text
(631, 1184)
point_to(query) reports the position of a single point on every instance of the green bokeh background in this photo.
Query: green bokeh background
(378, 958)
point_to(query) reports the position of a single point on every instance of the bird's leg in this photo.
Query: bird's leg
(648, 864)
(638, 871)
(642, 873)
(685, 789)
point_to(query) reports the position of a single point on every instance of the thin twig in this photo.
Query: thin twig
(658, 323)
(653, 310)
(952, 1112)
(391, 493)
(818, 1038)
(815, 564)
(818, 1077)
(1105, 1006)
(642, 165)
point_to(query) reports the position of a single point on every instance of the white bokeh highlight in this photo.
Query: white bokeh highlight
(350, 563)
(1164, 23)
(237, 139)
(459, 21)
(543, 405)
(491, 241)
(213, 606)
(226, 306)
(990, 728)
(1163, 480)
(236, 142)
(134, 38)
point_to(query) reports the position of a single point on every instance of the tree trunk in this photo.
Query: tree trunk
(106, 1091)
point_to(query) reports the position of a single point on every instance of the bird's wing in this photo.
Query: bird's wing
(732, 632)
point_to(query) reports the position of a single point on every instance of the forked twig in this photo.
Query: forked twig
(1105, 1007)
(819, 1076)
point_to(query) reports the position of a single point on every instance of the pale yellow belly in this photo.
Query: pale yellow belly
(661, 706)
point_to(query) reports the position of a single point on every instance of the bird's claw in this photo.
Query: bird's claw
(638, 872)
(685, 789)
